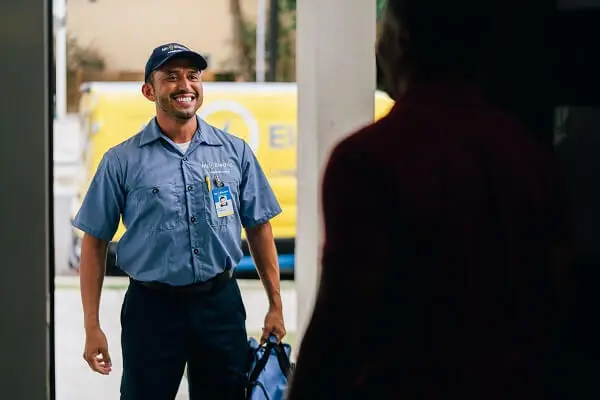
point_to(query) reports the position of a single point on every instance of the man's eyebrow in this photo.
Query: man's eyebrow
(177, 70)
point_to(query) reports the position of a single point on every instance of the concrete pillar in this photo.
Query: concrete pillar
(335, 62)
(26, 301)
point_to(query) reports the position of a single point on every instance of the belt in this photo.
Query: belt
(210, 285)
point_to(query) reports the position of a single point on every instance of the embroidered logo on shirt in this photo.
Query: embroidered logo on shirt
(218, 167)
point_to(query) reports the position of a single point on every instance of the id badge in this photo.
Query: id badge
(222, 201)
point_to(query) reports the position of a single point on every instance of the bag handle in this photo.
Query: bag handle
(262, 388)
(282, 358)
(262, 362)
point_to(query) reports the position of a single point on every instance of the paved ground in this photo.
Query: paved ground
(74, 380)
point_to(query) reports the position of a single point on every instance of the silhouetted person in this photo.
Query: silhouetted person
(448, 288)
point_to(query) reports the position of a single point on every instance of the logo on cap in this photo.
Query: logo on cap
(173, 48)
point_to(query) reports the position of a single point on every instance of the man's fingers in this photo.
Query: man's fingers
(102, 362)
(101, 367)
(106, 357)
(97, 362)
(93, 363)
(265, 336)
(278, 332)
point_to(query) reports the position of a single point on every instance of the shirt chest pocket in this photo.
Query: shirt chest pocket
(222, 204)
(156, 208)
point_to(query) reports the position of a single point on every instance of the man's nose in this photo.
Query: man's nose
(185, 85)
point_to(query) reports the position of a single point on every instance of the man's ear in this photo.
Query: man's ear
(148, 91)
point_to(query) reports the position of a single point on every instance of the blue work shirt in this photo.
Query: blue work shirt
(173, 234)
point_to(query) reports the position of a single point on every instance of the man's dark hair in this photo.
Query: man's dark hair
(444, 36)
(150, 78)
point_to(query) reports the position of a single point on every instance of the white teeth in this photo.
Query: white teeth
(184, 99)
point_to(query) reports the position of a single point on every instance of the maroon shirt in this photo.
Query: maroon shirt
(436, 281)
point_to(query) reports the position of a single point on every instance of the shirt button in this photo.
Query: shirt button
(196, 251)
(190, 188)
(184, 158)
(155, 190)
(193, 219)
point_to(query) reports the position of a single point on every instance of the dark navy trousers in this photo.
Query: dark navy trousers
(162, 332)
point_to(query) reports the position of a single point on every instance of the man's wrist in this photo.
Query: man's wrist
(92, 323)
(275, 303)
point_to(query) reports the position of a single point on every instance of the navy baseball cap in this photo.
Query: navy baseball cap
(162, 54)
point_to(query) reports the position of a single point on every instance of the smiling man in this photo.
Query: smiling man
(181, 245)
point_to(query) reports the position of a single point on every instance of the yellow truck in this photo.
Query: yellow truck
(263, 114)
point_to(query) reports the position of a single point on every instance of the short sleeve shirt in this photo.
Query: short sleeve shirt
(176, 232)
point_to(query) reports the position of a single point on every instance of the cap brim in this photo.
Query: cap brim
(196, 58)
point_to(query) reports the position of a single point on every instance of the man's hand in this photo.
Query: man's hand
(273, 325)
(96, 351)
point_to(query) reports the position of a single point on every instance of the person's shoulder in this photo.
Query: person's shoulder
(125, 148)
(511, 134)
(519, 150)
(117, 156)
(366, 142)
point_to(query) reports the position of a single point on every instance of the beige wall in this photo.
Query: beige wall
(126, 31)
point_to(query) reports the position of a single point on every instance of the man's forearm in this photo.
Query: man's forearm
(91, 277)
(264, 253)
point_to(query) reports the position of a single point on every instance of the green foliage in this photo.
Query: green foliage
(286, 42)
(79, 56)
(380, 6)
(287, 5)
(249, 44)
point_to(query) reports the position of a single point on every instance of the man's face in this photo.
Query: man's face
(176, 88)
(223, 201)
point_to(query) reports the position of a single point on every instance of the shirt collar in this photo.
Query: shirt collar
(204, 134)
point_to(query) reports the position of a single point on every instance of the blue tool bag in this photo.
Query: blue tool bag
(269, 370)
